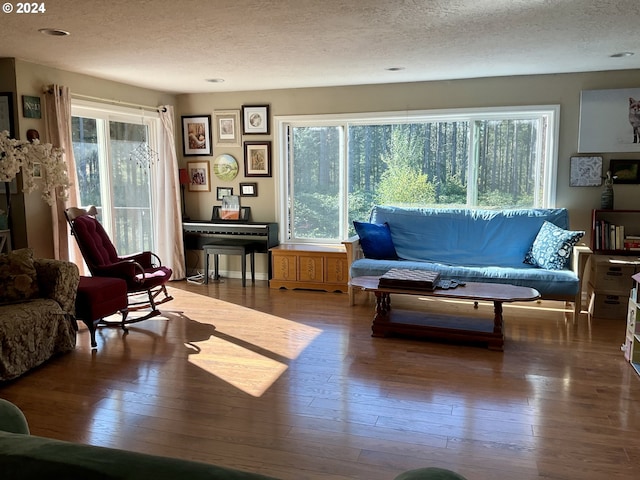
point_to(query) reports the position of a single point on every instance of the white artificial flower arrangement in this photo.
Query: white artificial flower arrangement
(16, 155)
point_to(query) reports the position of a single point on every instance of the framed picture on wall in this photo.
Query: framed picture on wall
(625, 171)
(249, 189)
(586, 172)
(257, 159)
(222, 192)
(227, 128)
(196, 135)
(199, 176)
(255, 119)
(609, 121)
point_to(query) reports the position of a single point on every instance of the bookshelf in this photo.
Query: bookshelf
(615, 232)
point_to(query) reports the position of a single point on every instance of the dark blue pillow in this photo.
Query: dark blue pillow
(376, 241)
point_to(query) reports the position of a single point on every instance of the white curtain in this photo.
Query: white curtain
(168, 214)
(57, 102)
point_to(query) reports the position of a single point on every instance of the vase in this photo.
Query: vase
(606, 199)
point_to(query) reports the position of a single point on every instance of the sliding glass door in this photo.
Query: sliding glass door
(113, 154)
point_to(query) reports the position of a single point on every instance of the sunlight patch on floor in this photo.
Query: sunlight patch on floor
(248, 349)
(251, 372)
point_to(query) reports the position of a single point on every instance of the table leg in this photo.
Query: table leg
(382, 316)
(498, 327)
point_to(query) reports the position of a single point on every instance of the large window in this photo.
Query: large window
(336, 168)
(114, 151)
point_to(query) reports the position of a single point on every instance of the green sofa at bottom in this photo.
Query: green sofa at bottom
(24, 456)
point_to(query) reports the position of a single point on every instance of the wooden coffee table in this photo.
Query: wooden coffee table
(422, 324)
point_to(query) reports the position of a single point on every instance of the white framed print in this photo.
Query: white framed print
(226, 128)
(255, 119)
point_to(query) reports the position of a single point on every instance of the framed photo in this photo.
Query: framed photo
(6, 113)
(37, 170)
(248, 189)
(609, 121)
(222, 192)
(199, 176)
(586, 172)
(257, 159)
(196, 135)
(31, 107)
(625, 171)
(227, 128)
(255, 119)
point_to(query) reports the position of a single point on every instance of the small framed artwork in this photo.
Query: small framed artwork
(255, 119)
(257, 159)
(31, 107)
(222, 192)
(625, 171)
(37, 170)
(199, 176)
(586, 171)
(227, 128)
(196, 135)
(249, 189)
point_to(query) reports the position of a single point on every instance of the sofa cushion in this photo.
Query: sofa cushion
(552, 247)
(18, 277)
(376, 240)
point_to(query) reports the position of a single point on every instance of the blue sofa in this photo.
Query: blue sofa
(473, 246)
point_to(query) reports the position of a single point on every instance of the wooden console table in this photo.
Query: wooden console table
(314, 267)
(448, 327)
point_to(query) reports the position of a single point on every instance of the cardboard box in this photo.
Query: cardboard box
(613, 274)
(608, 304)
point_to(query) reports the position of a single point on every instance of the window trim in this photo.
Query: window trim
(281, 122)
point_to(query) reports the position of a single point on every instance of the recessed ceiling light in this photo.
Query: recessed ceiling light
(394, 69)
(55, 32)
(215, 80)
(622, 55)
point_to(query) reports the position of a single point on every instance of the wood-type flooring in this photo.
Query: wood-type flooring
(291, 384)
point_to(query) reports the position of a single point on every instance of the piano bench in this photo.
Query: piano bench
(231, 246)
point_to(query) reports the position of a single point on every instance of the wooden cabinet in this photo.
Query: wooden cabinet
(615, 232)
(314, 267)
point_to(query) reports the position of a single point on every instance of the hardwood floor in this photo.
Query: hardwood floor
(291, 384)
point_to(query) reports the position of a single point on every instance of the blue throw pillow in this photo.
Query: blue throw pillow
(552, 247)
(376, 241)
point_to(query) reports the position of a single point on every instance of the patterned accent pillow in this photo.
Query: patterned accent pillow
(552, 247)
(376, 241)
(18, 277)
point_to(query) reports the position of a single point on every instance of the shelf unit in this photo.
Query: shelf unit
(604, 232)
(631, 347)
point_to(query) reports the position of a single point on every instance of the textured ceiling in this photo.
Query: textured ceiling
(174, 45)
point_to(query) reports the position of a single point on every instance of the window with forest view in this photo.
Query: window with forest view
(337, 169)
(106, 148)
